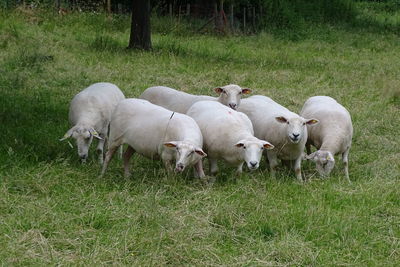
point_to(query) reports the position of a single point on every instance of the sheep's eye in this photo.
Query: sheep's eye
(240, 93)
(244, 147)
(304, 123)
(262, 148)
(287, 122)
(223, 91)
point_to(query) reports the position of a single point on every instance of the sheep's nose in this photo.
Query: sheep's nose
(83, 158)
(179, 167)
(232, 105)
(253, 163)
(295, 136)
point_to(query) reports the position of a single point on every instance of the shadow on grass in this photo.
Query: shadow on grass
(31, 126)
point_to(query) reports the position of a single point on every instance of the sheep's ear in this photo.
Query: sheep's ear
(311, 156)
(312, 121)
(200, 152)
(239, 144)
(68, 134)
(218, 90)
(329, 158)
(170, 144)
(281, 119)
(246, 91)
(267, 145)
(95, 133)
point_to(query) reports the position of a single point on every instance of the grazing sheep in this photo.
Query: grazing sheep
(154, 132)
(332, 136)
(286, 130)
(90, 113)
(179, 101)
(228, 135)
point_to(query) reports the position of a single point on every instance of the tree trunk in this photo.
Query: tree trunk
(187, 10)
(109, 6)
(58, 5)
(140, 28)
(231, 18)
(244, 19)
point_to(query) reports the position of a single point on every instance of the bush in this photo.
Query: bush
(294, 13)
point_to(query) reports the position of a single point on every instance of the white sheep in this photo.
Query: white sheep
(179, 101)
(155, 132)
(286, 130)
(228, 135)
(332, 136)
(89, 114)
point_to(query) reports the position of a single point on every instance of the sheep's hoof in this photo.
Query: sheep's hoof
(207, 181)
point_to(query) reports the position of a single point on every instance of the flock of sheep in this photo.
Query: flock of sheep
(182, 129)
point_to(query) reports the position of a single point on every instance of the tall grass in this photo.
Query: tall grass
(297, 14)
(56, 211)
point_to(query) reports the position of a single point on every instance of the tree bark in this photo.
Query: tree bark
(58, 5)
(109, 6)
(231, 18)
(140, 28)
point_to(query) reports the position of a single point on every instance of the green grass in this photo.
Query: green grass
(56, 211)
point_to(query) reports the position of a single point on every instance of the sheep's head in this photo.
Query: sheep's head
(296, 128)
(324, 161)
(84, 137)
(230, 95)
(251, 151)
(186, 154)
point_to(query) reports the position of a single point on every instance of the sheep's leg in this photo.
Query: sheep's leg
(308, 148)
(266, 159)
(127, 156)
(345, 159)
(213, 166)
(287, 163)
(239, 169)
(109, 155)
(273, 162)
(198, 170)
(167, 158)
(169, 166)
(297, 169)
(100, 148)
(121, 151)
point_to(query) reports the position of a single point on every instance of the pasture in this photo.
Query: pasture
(56, 211)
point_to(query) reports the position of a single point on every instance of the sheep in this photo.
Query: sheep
(155, 132)
(286, 130)
(228, 135)
(332, 136)
(89, 114)
(179, 101)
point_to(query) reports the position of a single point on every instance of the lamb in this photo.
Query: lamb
(332, 136)
(286, 130)
(228, 135)
(179, 101)
(155, 132)
(89, 114)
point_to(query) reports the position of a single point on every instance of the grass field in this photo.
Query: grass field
(55, 211)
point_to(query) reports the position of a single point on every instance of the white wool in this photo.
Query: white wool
(146, 128)
(227, 134)
(332, 135)
(90, 113)
(179, 101)
(284, 129)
